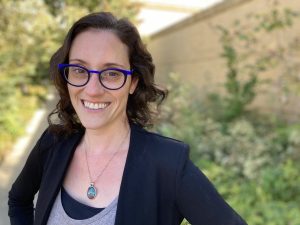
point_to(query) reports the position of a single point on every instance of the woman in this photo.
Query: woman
(98, 165)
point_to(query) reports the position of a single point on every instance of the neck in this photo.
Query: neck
(105, 140)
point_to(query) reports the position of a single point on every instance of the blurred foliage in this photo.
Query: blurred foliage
(252, 160)
(31, 31)
(250, 157)
(240, 93)
(120, 8)
(252, 46)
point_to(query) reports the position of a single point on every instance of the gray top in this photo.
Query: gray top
(58, 216)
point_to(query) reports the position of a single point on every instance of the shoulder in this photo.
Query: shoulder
(167, 143)
(160, 140)
(49, 141)
(161, 149)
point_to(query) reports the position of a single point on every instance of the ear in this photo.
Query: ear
(133, 85)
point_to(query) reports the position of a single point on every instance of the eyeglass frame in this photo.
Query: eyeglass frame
(62, 66)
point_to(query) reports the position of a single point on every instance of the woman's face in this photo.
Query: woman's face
(96, 106)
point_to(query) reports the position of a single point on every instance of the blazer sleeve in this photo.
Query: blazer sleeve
(199, 201)
(21, 195)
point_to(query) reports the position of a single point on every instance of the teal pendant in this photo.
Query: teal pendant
(92, 191)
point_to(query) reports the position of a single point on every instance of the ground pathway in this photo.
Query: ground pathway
(14, 161)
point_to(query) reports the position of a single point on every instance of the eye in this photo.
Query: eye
(78, 70)
(112, 74)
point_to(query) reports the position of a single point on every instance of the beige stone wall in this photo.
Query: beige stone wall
(192, 49)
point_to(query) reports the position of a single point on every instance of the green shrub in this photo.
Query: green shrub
(251, 159)
(16, 111)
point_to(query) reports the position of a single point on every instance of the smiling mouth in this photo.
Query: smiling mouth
(95, 106)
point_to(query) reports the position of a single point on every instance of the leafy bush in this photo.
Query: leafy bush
(251, 159)
(15, 112)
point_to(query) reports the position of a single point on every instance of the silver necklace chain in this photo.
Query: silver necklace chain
(106, 165)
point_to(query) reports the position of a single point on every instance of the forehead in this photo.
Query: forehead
(95, 44)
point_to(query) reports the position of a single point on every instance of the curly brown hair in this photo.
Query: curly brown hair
(142, 105)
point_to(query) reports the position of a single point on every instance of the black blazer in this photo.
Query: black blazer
(160, 185)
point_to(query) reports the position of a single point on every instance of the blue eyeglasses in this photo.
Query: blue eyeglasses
(78, 76)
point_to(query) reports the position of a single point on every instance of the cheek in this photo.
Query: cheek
(73, 90)
(122, 97)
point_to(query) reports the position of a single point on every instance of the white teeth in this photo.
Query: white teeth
(91, 105)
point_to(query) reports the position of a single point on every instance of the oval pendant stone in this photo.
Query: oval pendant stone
(91, 192)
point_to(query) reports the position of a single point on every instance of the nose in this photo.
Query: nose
(94, 87)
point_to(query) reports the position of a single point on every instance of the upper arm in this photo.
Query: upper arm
(198, 200)
(27, 184)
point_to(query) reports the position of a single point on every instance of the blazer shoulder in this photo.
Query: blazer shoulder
(166, 150)
(164, 141)
(47, 140)
(50, 138)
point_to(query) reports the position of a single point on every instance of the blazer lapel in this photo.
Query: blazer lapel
(53, 175)
(133, 171)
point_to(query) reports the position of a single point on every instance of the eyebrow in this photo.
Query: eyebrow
(109, 64)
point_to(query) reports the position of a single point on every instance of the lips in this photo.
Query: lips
(95, 105)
